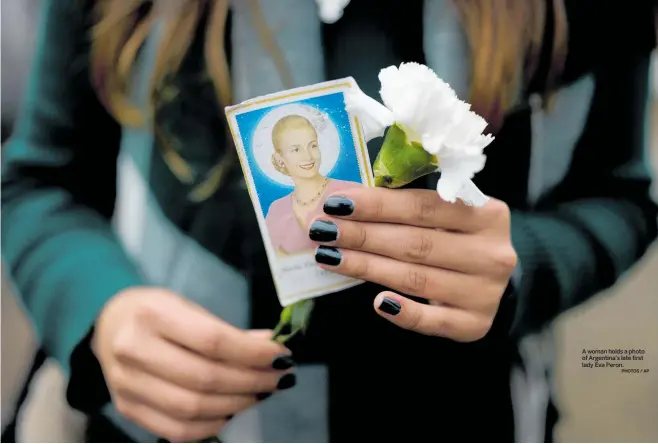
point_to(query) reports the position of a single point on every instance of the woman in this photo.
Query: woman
(297, 154)
(154, 304)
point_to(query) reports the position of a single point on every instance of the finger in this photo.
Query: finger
(192, 371)
(448, 322)
(436, 284)
(261, 334)
(175, 401)
(172, 429)
(433, 247)
(421, 208)
(197, 329)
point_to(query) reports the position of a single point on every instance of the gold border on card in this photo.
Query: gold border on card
(365, 159)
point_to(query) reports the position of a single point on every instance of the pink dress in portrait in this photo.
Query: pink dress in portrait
(285, 232)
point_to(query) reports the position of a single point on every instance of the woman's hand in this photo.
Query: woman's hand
(460, 258)
(179, 371)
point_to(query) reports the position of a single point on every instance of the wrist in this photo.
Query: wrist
(86, 390)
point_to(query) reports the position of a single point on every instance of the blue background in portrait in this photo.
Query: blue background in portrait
(346, 167)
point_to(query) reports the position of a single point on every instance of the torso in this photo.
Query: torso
(288, 221)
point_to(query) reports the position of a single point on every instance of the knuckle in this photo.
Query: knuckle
(189, 408)
(124, 343)
(377, 208)
(361, 237)
(424, 206)
(124, 408)
(418, 247)
(413, 320)
(210, 342)
(146, 313)
(415, 282)
(358, 269)
(499, 212)
(265, 384)
(505, 259)
(438, 327)
(118, 379)
(243, 403)
(206, 381)
(492, 300)
(264, 355)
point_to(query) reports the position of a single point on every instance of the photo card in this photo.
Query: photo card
(296, 148)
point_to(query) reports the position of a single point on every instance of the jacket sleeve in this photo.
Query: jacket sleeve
(600, 220)
(58, 191)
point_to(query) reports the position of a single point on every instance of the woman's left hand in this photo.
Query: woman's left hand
(459, 258)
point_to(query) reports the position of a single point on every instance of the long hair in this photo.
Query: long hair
(503, 35)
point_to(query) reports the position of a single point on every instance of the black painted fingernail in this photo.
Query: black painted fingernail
(263, 396)
(328, 256)
(389, 306)
(287, 381)
(282, 362)
(229, 417)
(338, 206)
(323, 231)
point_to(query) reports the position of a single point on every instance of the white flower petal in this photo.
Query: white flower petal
(457, 169)
(431, 113)
(418, 98)
(471, 195)
(331, 11)
(373, 116)
(464, 131)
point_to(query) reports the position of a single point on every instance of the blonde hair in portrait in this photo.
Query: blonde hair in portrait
(283, 125)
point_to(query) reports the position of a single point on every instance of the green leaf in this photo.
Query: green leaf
(297, 317)
(301, 314)
(401, 161)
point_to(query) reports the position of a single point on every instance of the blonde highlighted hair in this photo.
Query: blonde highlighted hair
(501, 33)
(283, 124)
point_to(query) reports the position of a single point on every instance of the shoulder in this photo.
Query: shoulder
(278, 207)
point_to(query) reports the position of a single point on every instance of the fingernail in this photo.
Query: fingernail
(338, 206)
(287, 381)
(389, 306)
(282, 362)
(263, 396)
(229, 417)
(323, 231)
(328, 256)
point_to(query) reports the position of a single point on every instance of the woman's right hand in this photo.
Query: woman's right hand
(179, 371)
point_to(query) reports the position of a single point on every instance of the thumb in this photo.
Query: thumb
(431, 320)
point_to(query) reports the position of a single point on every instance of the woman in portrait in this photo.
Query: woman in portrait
(133, 243)
(297, 154)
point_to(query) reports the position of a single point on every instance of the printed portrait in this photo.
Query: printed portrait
(295, 152)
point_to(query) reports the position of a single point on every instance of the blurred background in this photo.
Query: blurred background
(595, 406)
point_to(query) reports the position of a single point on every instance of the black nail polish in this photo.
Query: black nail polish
(287, 381)
(389, 306)
(263, 396)
(282, 362)
(323, 231)
(328, 256)
(338, 206)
